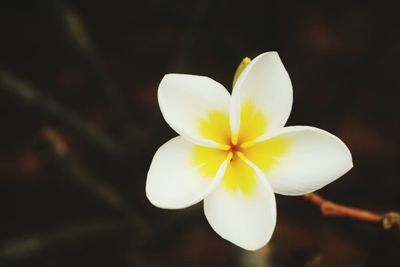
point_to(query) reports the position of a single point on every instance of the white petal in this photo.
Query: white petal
(185, 99)
(314, 158)
(266, 84)
(247, 221)
(174, 181)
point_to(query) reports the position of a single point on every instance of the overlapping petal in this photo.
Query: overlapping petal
(247, 220)
(266, 85)
(305, 159)
(177, 179)
(185, 100)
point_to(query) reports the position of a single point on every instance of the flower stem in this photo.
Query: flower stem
(329, 208)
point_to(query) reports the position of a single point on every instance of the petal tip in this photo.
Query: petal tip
(269, 54)
(253, 248)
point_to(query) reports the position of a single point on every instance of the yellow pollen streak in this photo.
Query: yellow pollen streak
(248, 144)
(216, 127)
(234, 139)
(241, 156)
(266, 154)
(239, 176)
(252, 123)
(223, 147)
(208, 160)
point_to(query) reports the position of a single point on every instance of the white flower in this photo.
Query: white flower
(234, 152)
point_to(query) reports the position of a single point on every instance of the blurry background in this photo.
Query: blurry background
(80, 123)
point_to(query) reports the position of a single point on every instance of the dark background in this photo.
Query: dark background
(80, 123)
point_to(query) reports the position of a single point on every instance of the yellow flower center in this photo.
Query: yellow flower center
(238, 176)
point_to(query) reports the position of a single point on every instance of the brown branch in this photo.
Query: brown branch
(77, 173)
(329, 208)
(80, 37)
(33, 98)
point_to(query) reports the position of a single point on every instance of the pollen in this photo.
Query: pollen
(208, 160)
(267, 154)
(252, 123)
(215, 127)
(239, 176)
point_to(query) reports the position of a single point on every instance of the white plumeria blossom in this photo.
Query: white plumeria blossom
(234, 152)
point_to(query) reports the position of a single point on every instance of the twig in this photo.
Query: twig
(34, 245)
(80, 175)
(328, 208)
(30, 96)
(80, 38)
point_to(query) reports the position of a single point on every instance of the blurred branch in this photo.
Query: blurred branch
(74, 26)
(34, 245)
(328, 208)
(58, 149)
(33, 98)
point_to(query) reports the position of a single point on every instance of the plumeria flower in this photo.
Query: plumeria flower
(234, 152)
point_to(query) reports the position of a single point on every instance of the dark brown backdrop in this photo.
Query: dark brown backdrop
(74, 196)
